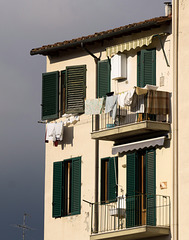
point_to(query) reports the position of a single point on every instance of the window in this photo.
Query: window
(109, 177)
(72, 94)
(141, 188)
(67, 187)
(146, 67)
(103, 78)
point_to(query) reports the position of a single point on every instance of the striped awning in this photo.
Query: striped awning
(153, 142)
(127, 46)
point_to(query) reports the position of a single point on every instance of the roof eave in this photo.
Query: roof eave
(49, 51)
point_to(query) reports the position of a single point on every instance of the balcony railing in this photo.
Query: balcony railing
(124, 116)
(127, 212)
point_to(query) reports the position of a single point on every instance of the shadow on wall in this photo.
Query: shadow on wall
(68, 137)
(162, 238)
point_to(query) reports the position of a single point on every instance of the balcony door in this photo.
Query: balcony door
(141, 188)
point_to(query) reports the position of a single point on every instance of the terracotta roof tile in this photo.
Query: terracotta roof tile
(46, 49)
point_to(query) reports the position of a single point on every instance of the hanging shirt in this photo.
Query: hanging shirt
(129, 97)
(138, 104)
(111, 106)
(121, 99)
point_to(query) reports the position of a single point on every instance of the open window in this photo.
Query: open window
(71, 98)
(67, 187)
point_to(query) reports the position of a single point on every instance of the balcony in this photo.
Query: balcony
(134, 217)
(133, 125)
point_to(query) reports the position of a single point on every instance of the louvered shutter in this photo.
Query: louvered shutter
(112, 176)
(131, 178)
(57, 189)
(146, 67)
(151, 186)
(63, 91)
(50, 95)
(140, 80)
(103, 78)
(76, 186)
(75, 89)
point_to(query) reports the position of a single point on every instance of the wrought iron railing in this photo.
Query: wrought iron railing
(124, 116)
(126, 212)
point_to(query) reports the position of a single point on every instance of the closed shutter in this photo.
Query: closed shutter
(151, 186)
(103, 78)
(112, 178)
(75, 89)
(76, 186)
(57, 189)
(146, 67)
(50, 95)
(130, 208)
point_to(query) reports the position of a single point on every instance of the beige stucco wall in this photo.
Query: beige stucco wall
(81, 144)
(183, 115)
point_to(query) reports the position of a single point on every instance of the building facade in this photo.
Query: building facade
(108, 101)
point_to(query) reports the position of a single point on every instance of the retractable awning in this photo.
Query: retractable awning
(153, 142)
(127, 46)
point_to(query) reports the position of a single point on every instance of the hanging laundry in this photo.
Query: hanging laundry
(158, 102)
(93, 106)
(54, 131)
(59, 131)
(137, 105)
(50, 132)
(141, 91)
(121, 99)
(111, 106)
(126, 98)
(129, 97)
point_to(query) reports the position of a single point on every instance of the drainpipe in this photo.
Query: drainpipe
(96, 145)
(175, 119)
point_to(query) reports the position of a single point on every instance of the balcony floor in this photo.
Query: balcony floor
(141, 232)
(131, 130)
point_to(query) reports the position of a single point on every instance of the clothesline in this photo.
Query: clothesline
(139, 100)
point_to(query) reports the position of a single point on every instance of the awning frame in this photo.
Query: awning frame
(140, 42)
(153, 142)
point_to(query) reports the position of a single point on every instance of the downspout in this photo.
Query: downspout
(96, 145)
(175, 119)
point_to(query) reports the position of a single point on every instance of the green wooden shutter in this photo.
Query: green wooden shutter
(146, 67)
(112, 176)
(103, 78)
(130, 202)
(57, 189)
(63, 92)
(76, 186)
(50, 95)
(151, 186)
(140, 80)
(75, 89)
